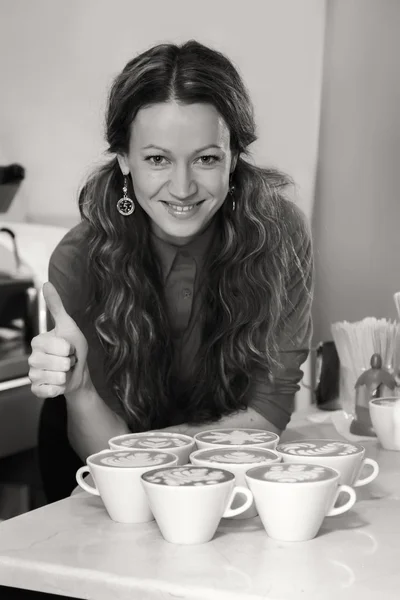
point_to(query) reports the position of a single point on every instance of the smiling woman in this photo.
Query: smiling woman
(182, 300)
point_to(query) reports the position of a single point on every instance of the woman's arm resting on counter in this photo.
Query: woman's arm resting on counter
(248, 418)
(91, 423)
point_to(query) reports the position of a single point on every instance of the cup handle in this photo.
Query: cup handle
(338, 510)
(82, 483)
(371, 476)
(232, 512)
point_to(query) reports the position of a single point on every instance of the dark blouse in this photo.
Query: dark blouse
(182, 269)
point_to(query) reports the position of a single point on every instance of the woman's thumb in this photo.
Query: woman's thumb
(54, 304)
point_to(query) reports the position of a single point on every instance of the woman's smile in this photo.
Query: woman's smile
(182, 211)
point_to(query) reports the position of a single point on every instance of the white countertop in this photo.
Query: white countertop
(73, 548)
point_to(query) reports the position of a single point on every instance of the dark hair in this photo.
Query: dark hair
(249, 265)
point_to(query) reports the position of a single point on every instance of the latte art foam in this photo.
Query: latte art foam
(292, 473)
(318, 448)
(188, 476)
(236, 456)
(236, 437)
(133, 459)
(153, 442)
(297, 473)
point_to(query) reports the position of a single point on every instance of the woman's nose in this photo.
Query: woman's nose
(182, 185)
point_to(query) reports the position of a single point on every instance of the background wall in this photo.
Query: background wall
(57, 60)
(357, 208)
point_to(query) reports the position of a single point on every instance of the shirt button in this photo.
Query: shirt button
(187, 293)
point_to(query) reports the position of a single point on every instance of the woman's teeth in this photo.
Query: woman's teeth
(182, 208)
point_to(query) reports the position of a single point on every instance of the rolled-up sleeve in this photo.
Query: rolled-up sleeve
(272, 395)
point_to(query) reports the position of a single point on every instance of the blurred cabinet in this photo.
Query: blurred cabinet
(21, 302)
(19, 323)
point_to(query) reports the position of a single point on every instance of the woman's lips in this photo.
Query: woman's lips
(182, 204)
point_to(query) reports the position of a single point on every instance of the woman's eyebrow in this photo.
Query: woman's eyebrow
(155, 147)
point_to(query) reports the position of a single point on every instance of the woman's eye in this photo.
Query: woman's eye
(209, 159)
(206, 160)
(156, 159)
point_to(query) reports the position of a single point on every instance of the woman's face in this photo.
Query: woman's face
(180, 161)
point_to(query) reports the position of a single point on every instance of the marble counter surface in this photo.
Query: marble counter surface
(73, 548)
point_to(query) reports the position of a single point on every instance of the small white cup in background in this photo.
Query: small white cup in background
(243, 437)
(385, 417)
(237, 460)
(164, 441)
(116, 474)
(188, 502)
(345, 457)
(293, 499)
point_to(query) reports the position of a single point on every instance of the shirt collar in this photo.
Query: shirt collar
(197, 248)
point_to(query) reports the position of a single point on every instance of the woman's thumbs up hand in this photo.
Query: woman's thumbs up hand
(58, 360)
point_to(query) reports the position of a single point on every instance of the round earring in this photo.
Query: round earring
(125, 205)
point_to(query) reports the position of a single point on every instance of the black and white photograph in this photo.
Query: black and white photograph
(199, 299)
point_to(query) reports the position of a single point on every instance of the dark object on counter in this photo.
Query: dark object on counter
(14, 173)
(10, 233)
(369, 385)
(327, 376)
(11, 177)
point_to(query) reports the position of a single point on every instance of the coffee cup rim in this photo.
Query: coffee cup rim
(188, 438)
(359, 447)
(223, 429)
(89, 460)
(187, 466)
(335, 474)
(376, 401)
(232, 448)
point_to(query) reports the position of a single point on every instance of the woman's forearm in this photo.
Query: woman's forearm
(91, 423)
(244, 419)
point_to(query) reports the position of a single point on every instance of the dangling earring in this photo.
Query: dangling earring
(231, 190)
(125, 205)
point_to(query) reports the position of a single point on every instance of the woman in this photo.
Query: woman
(182, 299)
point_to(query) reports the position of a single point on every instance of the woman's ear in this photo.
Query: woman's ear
(123, 164)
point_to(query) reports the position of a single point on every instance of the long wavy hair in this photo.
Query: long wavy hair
(247, 270)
